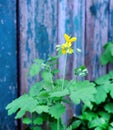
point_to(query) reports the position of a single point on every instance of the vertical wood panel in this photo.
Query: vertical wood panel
(96, 35)
(110, 31)
(38, 23)
(8, 89)
(71, 20)
(79, 31)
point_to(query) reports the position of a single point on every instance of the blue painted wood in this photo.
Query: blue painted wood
(110, 29)
(8, 73)
(71, 18)
(96, 36)
(42, 24)
(38, 34)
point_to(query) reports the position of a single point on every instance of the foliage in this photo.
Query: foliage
(107, 56)
(100, 116)
(43, 106)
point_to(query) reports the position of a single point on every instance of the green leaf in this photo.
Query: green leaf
(110, 128)
(35, 67)
(98, 122)
(53, 58)
(69, 128)
(57, 110)
(53, 126)
(47, 76)
(105, 79)
(58, 84)
(35, 89)
(41, 108)
(38, 121)
(20, 114)
(37, 128)
(111, 124)
(61, 93)
(82, 91)
(107, 55)
(44, 94)
(98, 128)
(81, 71)
(22, 104)
(55, 71)
(104, 115)
(88, 115)
(109, 107)
(111, 91)
(100, 91)
(76, 124)
(27, 121)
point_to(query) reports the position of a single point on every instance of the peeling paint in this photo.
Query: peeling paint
(8, 90)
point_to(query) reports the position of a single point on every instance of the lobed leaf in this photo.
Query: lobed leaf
(109, 107)
(57, 110)
(21, 105)
(27, 121)
(35, 68)
(82, 91)
(100, 91)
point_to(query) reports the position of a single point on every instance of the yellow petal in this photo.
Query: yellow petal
(63, 46)
(63, 51)
(73, 39)
(68, 44)
(70, 51)
(67, 37)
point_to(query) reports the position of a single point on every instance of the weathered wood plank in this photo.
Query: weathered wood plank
(8, 72)
(96, 35)
(71, 18)
(38, 34)
(110, 29)
(79, 30)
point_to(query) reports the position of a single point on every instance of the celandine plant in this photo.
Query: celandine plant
(43, 106)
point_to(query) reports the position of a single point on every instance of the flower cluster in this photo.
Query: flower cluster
(67, 46)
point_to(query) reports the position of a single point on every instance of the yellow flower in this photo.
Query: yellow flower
(69, 39)
(70, 51)
(64, 51)
(66, 47)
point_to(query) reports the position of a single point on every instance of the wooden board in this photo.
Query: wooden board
(110, 29)
(96, 36)
(8, 72)
(42, 24)
(38, 34)
(71, 20)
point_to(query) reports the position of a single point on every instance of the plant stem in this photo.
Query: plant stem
(64, 72)
(51, 78)
(32, 120)
(58, 124)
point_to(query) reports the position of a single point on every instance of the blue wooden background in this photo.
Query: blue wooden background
(32, 28)
(8, 71)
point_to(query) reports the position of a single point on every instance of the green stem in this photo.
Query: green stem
(64, 72)
(32, 120)
(58, 124)
(51, 78)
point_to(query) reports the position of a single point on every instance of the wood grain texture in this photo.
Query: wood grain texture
(96, 35)
(38, 23)
(8, 72)
(110, 28)
(71, 20)
(42, 24)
